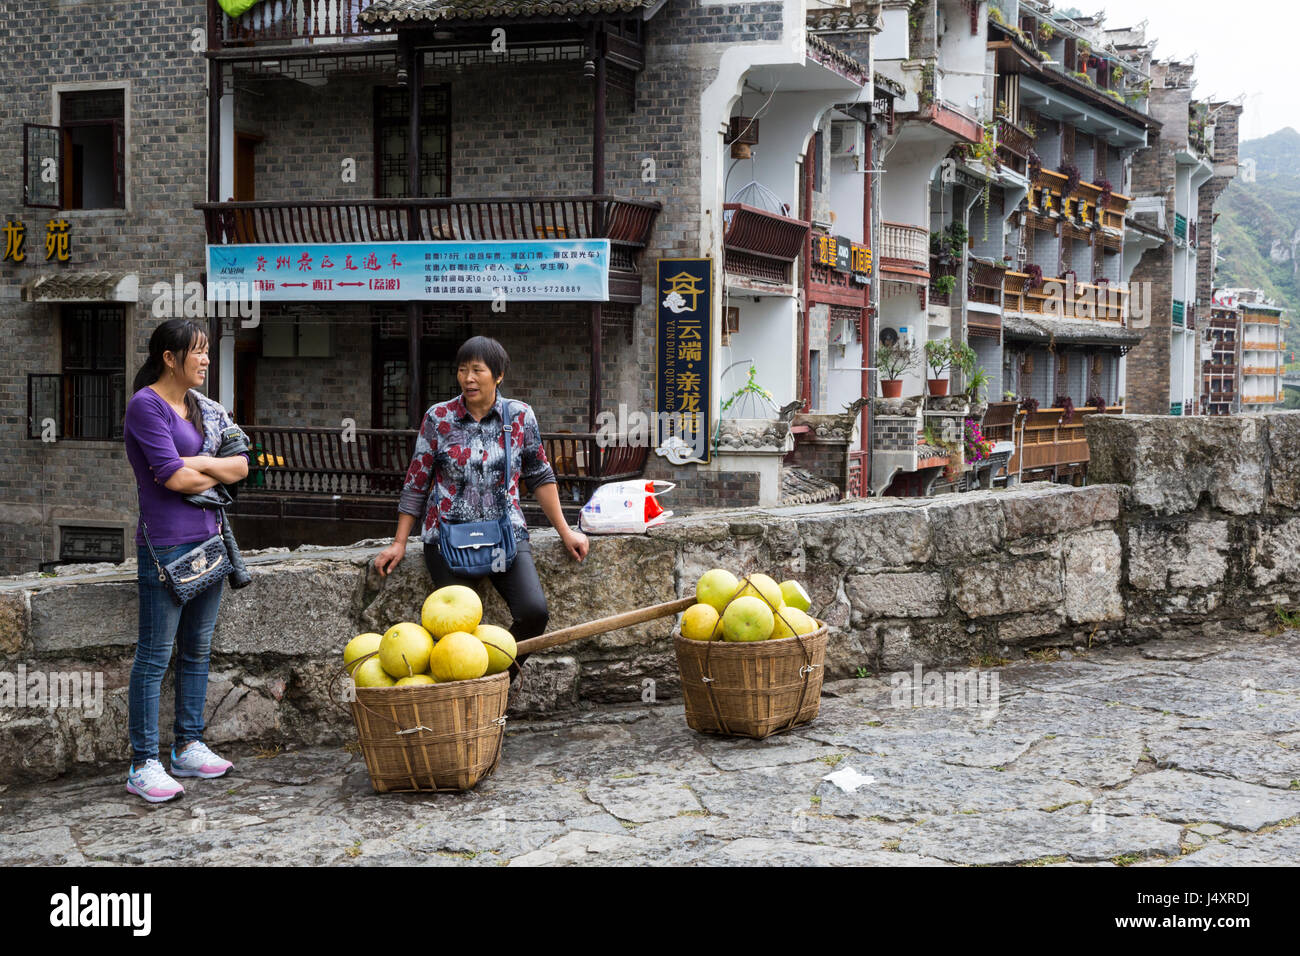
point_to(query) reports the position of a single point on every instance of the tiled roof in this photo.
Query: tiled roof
(801, 487)
(828, 53)
(1065, 332)
(441, 11)
(82, 287)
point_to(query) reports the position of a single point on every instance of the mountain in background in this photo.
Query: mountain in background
(1259, 225)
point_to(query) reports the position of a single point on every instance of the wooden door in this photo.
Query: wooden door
(245, 184)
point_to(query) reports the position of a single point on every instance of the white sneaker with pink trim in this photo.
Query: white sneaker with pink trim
(150, 781)
(196, 760)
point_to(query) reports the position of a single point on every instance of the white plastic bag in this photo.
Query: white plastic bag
(625, 507)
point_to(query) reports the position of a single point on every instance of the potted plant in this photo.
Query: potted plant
(938, 356)
(1066, 404)
(945, 285)
(977, 384)
(893, 361)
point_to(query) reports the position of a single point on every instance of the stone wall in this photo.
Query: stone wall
(1199, 524)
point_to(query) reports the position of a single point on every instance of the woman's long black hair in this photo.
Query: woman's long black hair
(180, 337)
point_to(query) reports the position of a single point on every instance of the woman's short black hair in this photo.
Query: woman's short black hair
(488, 351)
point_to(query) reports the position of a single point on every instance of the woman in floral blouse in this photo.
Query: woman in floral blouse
(456, 475)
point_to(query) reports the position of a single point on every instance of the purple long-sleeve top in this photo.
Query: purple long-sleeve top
(157, 438)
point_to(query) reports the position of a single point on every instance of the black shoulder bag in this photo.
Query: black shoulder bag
(475, 549)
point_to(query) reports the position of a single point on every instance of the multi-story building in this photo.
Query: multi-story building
(1262, 349)
(338, 129)
(1178, 180)
(1221, 357)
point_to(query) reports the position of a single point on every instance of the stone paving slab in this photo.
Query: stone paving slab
(1145, 756)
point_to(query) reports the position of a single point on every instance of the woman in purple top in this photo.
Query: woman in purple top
(164, 435)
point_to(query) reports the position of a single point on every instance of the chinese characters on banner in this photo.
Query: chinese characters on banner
(683, 334)
(513, 270)
(58, 241)
(843, 255)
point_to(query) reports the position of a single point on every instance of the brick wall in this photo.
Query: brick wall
(514, 130)
(45, 47)
(894, 433)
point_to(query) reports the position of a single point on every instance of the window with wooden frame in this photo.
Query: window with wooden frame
(87, 399)
(392, 138)
(81, 163)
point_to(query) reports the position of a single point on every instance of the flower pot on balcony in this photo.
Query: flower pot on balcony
(891, 388)
(937, 386)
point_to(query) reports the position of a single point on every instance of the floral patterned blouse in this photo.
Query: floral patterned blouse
(456, 473)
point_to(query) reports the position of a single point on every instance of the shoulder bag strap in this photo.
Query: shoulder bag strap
(145, 528)
(507, 430)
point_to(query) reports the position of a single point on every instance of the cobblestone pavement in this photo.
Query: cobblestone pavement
(1177, 753)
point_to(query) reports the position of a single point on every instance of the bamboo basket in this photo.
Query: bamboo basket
(433, 737)
(751, 689)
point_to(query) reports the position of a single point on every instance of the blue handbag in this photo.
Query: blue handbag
(475, 549)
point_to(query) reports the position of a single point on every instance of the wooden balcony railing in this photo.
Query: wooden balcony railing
(1014, 139)
(624, 221)
(305, 462)
(1049, 445)
(905, 246)
(759, 244)
(282, 21)
(1091, 300)
(1263, 346)
(1259, 318)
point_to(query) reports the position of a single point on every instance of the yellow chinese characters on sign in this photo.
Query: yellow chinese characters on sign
(684, 290)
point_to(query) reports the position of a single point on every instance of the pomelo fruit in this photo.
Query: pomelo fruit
(747, 618)
(500, 645)
(458, 656)
(371, 673)
(791, 621)
(453, 608)
(715, 588)
(415, 679)
(795, 596)
(761, 586)
(700, 622)
(360, 646)
(404, 650)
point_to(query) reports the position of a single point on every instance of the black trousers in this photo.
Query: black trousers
(519, 587)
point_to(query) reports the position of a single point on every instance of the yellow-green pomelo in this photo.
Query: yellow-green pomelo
(415, 679)
(458, 656)
(700, 622)
(761, 586)
(715, 588)
(500, 645)
(453, 608)
(795, 596)
(405, 649)
(791, 621)
(747, 618)
(360, 646)
(371, 673)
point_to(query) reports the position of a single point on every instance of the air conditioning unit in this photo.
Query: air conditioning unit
(848, 140)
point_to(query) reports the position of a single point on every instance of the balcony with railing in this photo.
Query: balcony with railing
(282, 22)
(627, 223)
(1014, 145)
(760, 244)
(317, 473)
(1051, 447)
(905, 251)
(1084, 204)
(1098, 301)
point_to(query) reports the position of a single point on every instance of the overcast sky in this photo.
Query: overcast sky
(1244, 48)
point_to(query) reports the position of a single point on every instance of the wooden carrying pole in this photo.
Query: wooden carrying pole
(613, 623)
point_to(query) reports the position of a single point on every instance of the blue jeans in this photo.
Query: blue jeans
(163, 624)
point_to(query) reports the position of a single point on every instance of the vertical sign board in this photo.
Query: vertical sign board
(683, 336)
